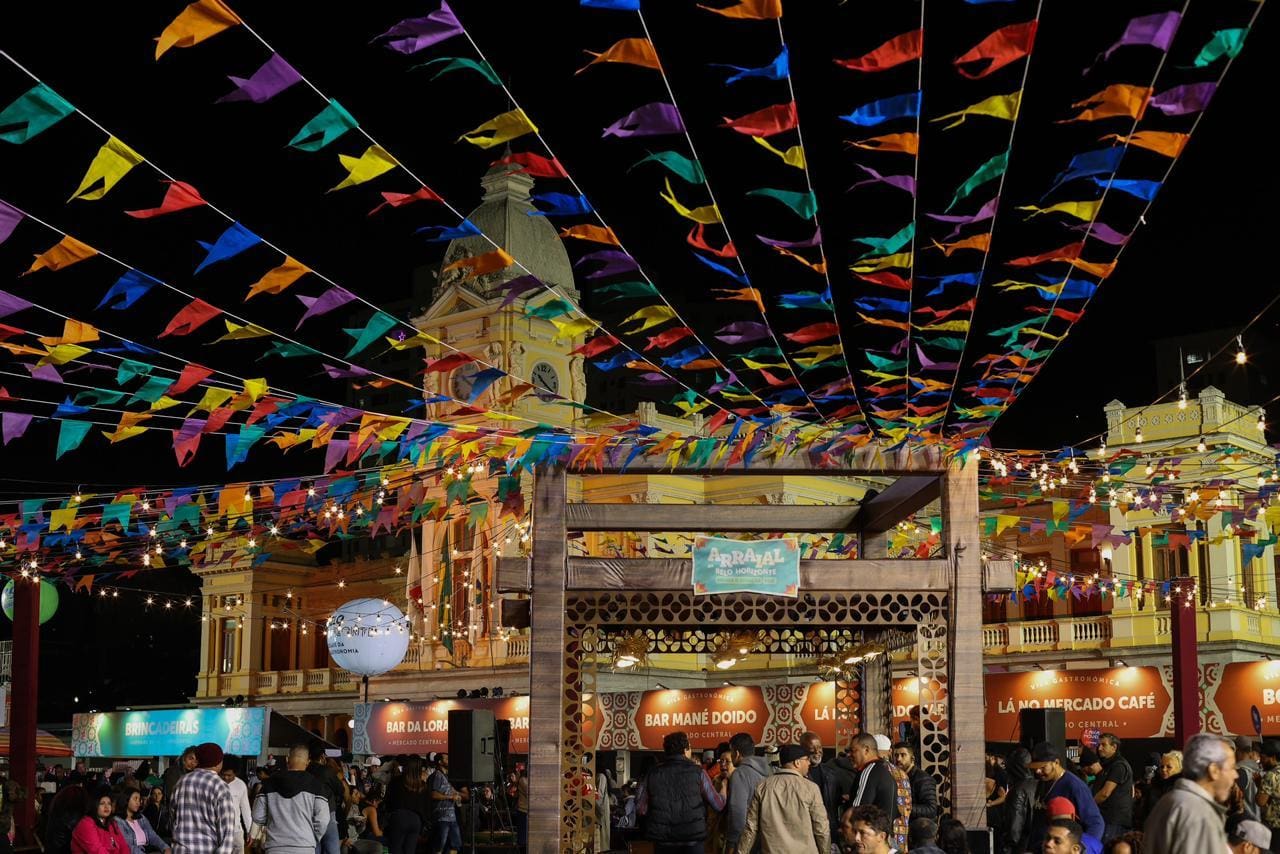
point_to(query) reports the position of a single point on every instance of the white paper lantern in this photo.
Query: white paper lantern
(368, 636)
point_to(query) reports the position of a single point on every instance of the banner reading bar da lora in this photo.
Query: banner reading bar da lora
(771, 567)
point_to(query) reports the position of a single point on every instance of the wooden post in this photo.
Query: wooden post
(964, 685)
(25, 688)
(546, 659)
(1186, 664)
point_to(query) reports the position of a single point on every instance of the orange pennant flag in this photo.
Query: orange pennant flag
(977, 241)
(1117, 100)
(744, 294)
(479, 265)
(63, 254)
(629, 52)
(752, 10)
(128, 426)
(276, 280)
(73, 332)
(199, 21)
(595, 233)
(1162, 142)
(876, 321)
(816, 266)
(84, 582)
(907, 143)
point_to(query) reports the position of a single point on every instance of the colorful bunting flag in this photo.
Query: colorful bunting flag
(886, 109)
(997, 107)
(1004, 46)
(632, 51)
(689, 170)
(499, 129)
(333, 298)
(778, 69)
(112, 162)
(374, 162)
(378, 325)
(278, 278)
(329, 124)
(1226, 43)
(754, 10)
(654, 119)
(178, 197)
(230, 243)
(767, 122)
(989, 171)
(62, 254)
(9, 219)
(194, 315)
(793, 156)
(1181, 100)
(272, 77)
(1155, 30)
(70, 435)
(479, 265)
(534, 164)
(894, 52)
(36, 110)
(1118, 99)
(415, 34)
(199, 21)
(804, 205)
(706, 214)
(1162, 142)
(905, 143)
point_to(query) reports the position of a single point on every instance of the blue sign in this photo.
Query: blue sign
(771, 567)
(167, 732)
(1257, 720)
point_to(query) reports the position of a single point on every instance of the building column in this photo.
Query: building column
(25, 691)
(961, 535)
(1186, 664)
(251, 634)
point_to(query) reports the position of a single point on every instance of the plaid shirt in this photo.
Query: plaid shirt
(205, 818)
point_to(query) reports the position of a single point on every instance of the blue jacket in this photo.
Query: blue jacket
(154, 842)
(1074, 789)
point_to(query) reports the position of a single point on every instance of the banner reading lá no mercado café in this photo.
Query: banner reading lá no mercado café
(771, 567)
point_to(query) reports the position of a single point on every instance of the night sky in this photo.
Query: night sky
(1198, 265)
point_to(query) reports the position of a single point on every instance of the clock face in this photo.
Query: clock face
(546, 382)
(463, 379)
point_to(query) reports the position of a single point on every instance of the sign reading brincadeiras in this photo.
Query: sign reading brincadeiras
(167, 732)
(771, 567)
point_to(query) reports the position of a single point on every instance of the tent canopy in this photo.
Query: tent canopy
(47, 744)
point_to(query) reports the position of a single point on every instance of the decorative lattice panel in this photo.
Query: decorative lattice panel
(935, 730)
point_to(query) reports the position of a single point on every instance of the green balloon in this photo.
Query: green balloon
(48, 601)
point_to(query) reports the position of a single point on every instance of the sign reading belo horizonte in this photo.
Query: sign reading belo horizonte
(771, 567)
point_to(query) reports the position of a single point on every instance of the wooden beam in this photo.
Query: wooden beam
(961, 537)
(546, 660)
(675, 574)
(780, 518)
(867, 460)
(896, 502)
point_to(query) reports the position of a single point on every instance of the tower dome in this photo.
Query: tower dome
(504, 217)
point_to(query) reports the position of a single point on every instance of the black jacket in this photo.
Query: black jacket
(924, 794)
(835, 781)
(675, 810)
(874, 784)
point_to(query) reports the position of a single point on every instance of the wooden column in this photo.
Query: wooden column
(967, 712)
(25, 690)
(546, 659)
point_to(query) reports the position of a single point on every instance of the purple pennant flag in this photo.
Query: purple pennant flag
(612, 261)
(1181, 100)
(1155, 30)
(742, 332)
(350, 372)
(985, 212)
(1103, 232)
(48, 373)
(270, 80)
(732, 378)
(9, 219)
(927, 364)
(325, 303)
(10, 304)
(15, 424)
(518, 287)
(650, 120)
(902, 182)
(341, 416)
(793, 244)
(414, 34)
(334, 453)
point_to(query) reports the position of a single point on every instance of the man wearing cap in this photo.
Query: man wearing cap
(1046, 764)
(1188, 820)
(1246, 836)
(1248, 774)
(786, 814)
(834, 780)
(1059, 809)
(1269, 787)
(1113, 788)
(204, 815)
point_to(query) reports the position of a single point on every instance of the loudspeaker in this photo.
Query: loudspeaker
(982, 840)
(502, 739)
(1039, 725)
(471, 744)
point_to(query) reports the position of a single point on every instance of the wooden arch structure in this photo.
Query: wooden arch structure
(578, 602)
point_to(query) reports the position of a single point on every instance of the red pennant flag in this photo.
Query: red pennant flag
(191, 318)
(534, 164)
(1005, 45)
(815, 332)
(766, 122)
(697, 239)
(191, 375)
(665, 339)
(1070, 252)
(895, 51)
(889, 280)
(399, 200)
(717, 421)
(447, 363)
(178, 197)
(601, 343)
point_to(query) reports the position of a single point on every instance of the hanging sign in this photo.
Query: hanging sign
(367, 636)
(167, 732)
(771, 567)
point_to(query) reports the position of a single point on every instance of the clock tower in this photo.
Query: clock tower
(469, 315)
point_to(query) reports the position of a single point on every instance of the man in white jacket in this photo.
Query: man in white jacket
(239, 795)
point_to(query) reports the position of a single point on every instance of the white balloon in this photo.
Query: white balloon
(368, 636)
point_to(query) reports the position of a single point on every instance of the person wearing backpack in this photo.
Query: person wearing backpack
(1248, 774)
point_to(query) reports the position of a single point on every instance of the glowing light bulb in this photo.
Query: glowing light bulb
(1241, 357)
(1137, 436)
(1150, 469)
(1200, 446)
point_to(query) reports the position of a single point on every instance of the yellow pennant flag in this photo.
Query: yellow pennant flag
(885, 262)
(164, 402)
(194, 24)
(756, 366)
(997, 107)
(241, 332)
(279, 278)
(1162, 142)
(1086, 211)
(707, 214)
(374, 162)
(417, 339)
(572, 328)
(256, 388)
(1040, 333)
(1118, 99)
(1014, 285)
(213, 398)
(73, 332)
(1094, 268)
(63, 254)
(945, 326)
(500, 129)
(793, 156)
(112, 162)
(128, 426)
(1005, 522)
(650, 316)
(634, 51)
(63, 353)
(64, 518)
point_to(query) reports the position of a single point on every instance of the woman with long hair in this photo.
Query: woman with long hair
(97, 832)
(134, 825)
(408, 807)
(155, 812)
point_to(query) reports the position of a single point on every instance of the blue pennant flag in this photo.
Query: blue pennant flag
(128, 289)
(779, 69)
(886, 109)
(229, 244)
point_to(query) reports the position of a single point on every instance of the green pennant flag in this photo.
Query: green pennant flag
(444, 599)
(477, 512)
(993, 168)
(550, 309)
(689, 170)
(329, 124)
(70, 435)
(461, 63)
(288, 350)
(36, 110)
(378, 325)
(804, 205)
(118, 513)
(629, 290)
(887, 245)
(152, 390)
(1226, 43)
(99, 397)
(130, 369)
